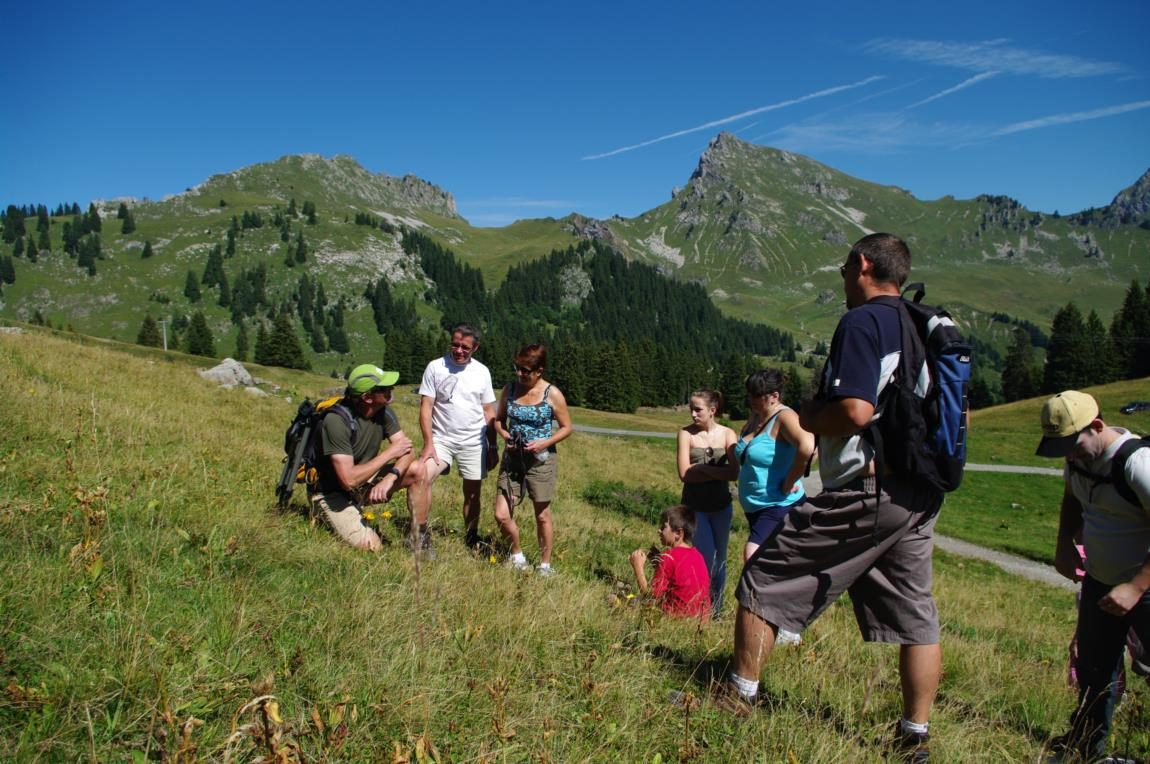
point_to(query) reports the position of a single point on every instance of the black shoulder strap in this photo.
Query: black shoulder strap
(1118, 468)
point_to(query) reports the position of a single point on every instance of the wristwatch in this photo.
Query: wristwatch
(392, 470)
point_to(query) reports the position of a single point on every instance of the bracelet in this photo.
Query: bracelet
(392, 470)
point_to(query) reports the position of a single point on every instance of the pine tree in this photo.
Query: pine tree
(225, 298)
(18, 247)
(796, 388)
(7, 270)
(129, 224)
(122, 211)
(149, 334)
(242, 342)
(147, 250)
(262, 342)
(92, 222)
(1102, 365)
(1019, 373)
(45, 243)
(283, 348)
(300, 249)
(214, 268)
(192, 288)
(1130, 333)
(981, 393)
(87, 252)
(1069, 355)
(199, 340)
(231, 247)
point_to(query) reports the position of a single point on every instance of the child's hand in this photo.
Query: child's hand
(639, 557)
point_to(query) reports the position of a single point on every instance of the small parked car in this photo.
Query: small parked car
(1134, 406)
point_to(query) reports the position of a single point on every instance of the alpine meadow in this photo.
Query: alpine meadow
(160, 607)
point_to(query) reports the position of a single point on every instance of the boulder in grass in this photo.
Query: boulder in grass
(229, 373)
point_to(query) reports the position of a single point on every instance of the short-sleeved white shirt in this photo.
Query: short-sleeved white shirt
(1115, 532)
(459, 394)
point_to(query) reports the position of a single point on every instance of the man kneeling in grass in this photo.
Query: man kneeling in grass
(353, 472)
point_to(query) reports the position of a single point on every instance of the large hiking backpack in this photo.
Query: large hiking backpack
(1117, 476)
(919, 433)
(302, 447)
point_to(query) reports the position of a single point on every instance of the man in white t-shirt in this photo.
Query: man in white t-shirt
(456, 410)
(1107, 501)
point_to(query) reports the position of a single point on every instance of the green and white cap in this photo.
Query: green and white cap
(366, 377)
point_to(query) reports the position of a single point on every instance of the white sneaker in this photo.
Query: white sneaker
(545, 570)
(786, 638)
(518, 562)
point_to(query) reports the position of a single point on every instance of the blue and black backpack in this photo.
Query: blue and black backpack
(919, 432)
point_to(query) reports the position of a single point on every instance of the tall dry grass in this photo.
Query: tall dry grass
(157, 607)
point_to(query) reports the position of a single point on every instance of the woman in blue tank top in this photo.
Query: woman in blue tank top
(528, 410)
(772, 452)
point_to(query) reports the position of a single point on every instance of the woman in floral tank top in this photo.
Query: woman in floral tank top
(529, 410)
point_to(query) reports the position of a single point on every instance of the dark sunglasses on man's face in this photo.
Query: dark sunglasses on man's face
(385, 391)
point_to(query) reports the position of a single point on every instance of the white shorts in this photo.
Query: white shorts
(472, 460)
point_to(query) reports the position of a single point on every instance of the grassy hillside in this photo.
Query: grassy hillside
(763, 230)
(159, 608)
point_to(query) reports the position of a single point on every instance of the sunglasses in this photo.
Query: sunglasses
(523, 369)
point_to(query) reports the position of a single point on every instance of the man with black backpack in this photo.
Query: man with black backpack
(1107, 502)
(352, 471)
(870, 531)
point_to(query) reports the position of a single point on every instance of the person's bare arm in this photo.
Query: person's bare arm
(836, 418)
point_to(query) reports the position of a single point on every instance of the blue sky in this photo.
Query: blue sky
(533, 109)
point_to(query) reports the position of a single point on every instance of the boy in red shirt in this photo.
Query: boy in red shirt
(681, 584)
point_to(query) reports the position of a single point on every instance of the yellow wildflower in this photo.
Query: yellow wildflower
(369, 516)
(386, 515)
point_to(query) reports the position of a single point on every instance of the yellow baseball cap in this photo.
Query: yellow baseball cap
(1063, 417)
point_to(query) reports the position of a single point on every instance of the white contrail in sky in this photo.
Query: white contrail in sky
(960, 86)
(993, 55)
(736, 117)
(1077, 116)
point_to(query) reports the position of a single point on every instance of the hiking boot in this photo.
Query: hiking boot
(1069, 749)
(911, 747)
(471, 540)
(725, 697)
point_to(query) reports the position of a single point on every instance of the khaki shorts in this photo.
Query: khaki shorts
(540, 480)
(341, 513)
(836, 542)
